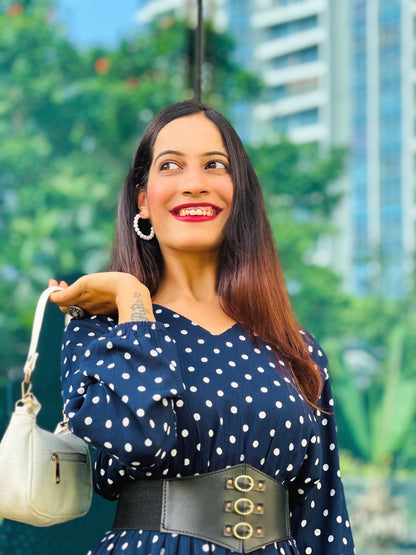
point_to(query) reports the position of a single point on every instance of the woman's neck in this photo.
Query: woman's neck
(189, 288)
(187, 278)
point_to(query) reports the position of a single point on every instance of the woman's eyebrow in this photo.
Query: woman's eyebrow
(176, 152)
(216, 152)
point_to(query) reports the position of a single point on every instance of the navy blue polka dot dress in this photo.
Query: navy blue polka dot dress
(169, 399)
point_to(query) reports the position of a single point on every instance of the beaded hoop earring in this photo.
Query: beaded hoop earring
(140, 233)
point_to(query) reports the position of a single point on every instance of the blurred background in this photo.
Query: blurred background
(323, 94)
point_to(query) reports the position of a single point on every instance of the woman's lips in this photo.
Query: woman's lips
(200, 212)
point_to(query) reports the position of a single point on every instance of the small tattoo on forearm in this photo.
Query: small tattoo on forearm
(138, 311)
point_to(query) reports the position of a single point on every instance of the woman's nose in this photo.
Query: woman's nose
(195, 182)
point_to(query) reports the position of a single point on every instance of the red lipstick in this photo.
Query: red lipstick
(196, 212)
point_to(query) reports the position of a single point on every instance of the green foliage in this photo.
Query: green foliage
(69, 123)
(374, 371)
(298, 181)
(300, 174)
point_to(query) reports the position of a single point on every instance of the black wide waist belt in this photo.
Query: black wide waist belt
(238, 508)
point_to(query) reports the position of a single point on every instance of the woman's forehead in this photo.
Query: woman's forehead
(189, 133)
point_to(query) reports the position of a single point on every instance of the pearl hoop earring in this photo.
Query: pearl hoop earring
(140, 233)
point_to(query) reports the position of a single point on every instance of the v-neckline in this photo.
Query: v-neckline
(177, 315)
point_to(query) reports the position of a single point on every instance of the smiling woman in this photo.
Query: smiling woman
(189, 191)
(209, 406)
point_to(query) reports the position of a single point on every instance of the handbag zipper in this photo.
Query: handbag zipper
(71, 457)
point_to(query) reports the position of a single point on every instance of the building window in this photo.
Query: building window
(291, 28)
(299, 119)
(304, 56)
(294, 89)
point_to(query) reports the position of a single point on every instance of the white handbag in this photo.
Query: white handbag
(45, 477)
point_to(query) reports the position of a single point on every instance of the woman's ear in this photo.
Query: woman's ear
(142, 205)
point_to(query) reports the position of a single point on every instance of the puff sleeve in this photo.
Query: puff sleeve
(120, 383)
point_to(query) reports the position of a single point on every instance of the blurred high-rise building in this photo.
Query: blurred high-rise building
(382, 143)
(337, 72)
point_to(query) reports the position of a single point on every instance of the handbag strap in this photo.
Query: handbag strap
(32, 355)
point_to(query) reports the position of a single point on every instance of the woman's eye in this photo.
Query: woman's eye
(169, 166)
(216, 165)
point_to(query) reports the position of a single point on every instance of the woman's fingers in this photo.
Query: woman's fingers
(95, 293)
(65, 298)
(55, 283)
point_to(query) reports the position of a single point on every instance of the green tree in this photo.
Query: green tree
(69, 122)
(299, 185)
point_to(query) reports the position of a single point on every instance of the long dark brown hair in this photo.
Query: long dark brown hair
(250, 282)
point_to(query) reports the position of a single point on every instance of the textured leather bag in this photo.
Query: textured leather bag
(45, 477)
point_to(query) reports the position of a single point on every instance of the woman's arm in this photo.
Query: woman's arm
(107, 293)
(119, 385)
(320, 522)
(119, 381)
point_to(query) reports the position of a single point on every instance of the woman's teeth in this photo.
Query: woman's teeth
(208, 211)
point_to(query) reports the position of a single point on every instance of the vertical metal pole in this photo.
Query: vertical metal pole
(199, 53)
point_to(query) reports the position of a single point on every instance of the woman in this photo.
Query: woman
(210, 408)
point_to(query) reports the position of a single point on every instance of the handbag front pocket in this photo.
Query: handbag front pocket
(66, 457)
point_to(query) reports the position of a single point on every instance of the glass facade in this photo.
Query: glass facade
(283, 30)
(294, 89)
(359, 154)
(290, 86)
(287, 2)
(298, 119)
(391, 213)
(302, 56)
(377, 246)
(239, 25)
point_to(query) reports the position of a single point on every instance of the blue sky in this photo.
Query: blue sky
(97, 22)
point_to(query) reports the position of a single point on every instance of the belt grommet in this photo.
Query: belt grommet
(244, 506)
(243, 531)
(244, 482)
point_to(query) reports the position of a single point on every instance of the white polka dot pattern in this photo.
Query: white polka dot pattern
(122, 386)
(170, 399)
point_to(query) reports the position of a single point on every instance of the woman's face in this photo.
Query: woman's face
(189, 191)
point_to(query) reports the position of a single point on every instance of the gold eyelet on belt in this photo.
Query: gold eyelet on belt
(243, 531)
(244, 506)
(244, 482)
(228, 530)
